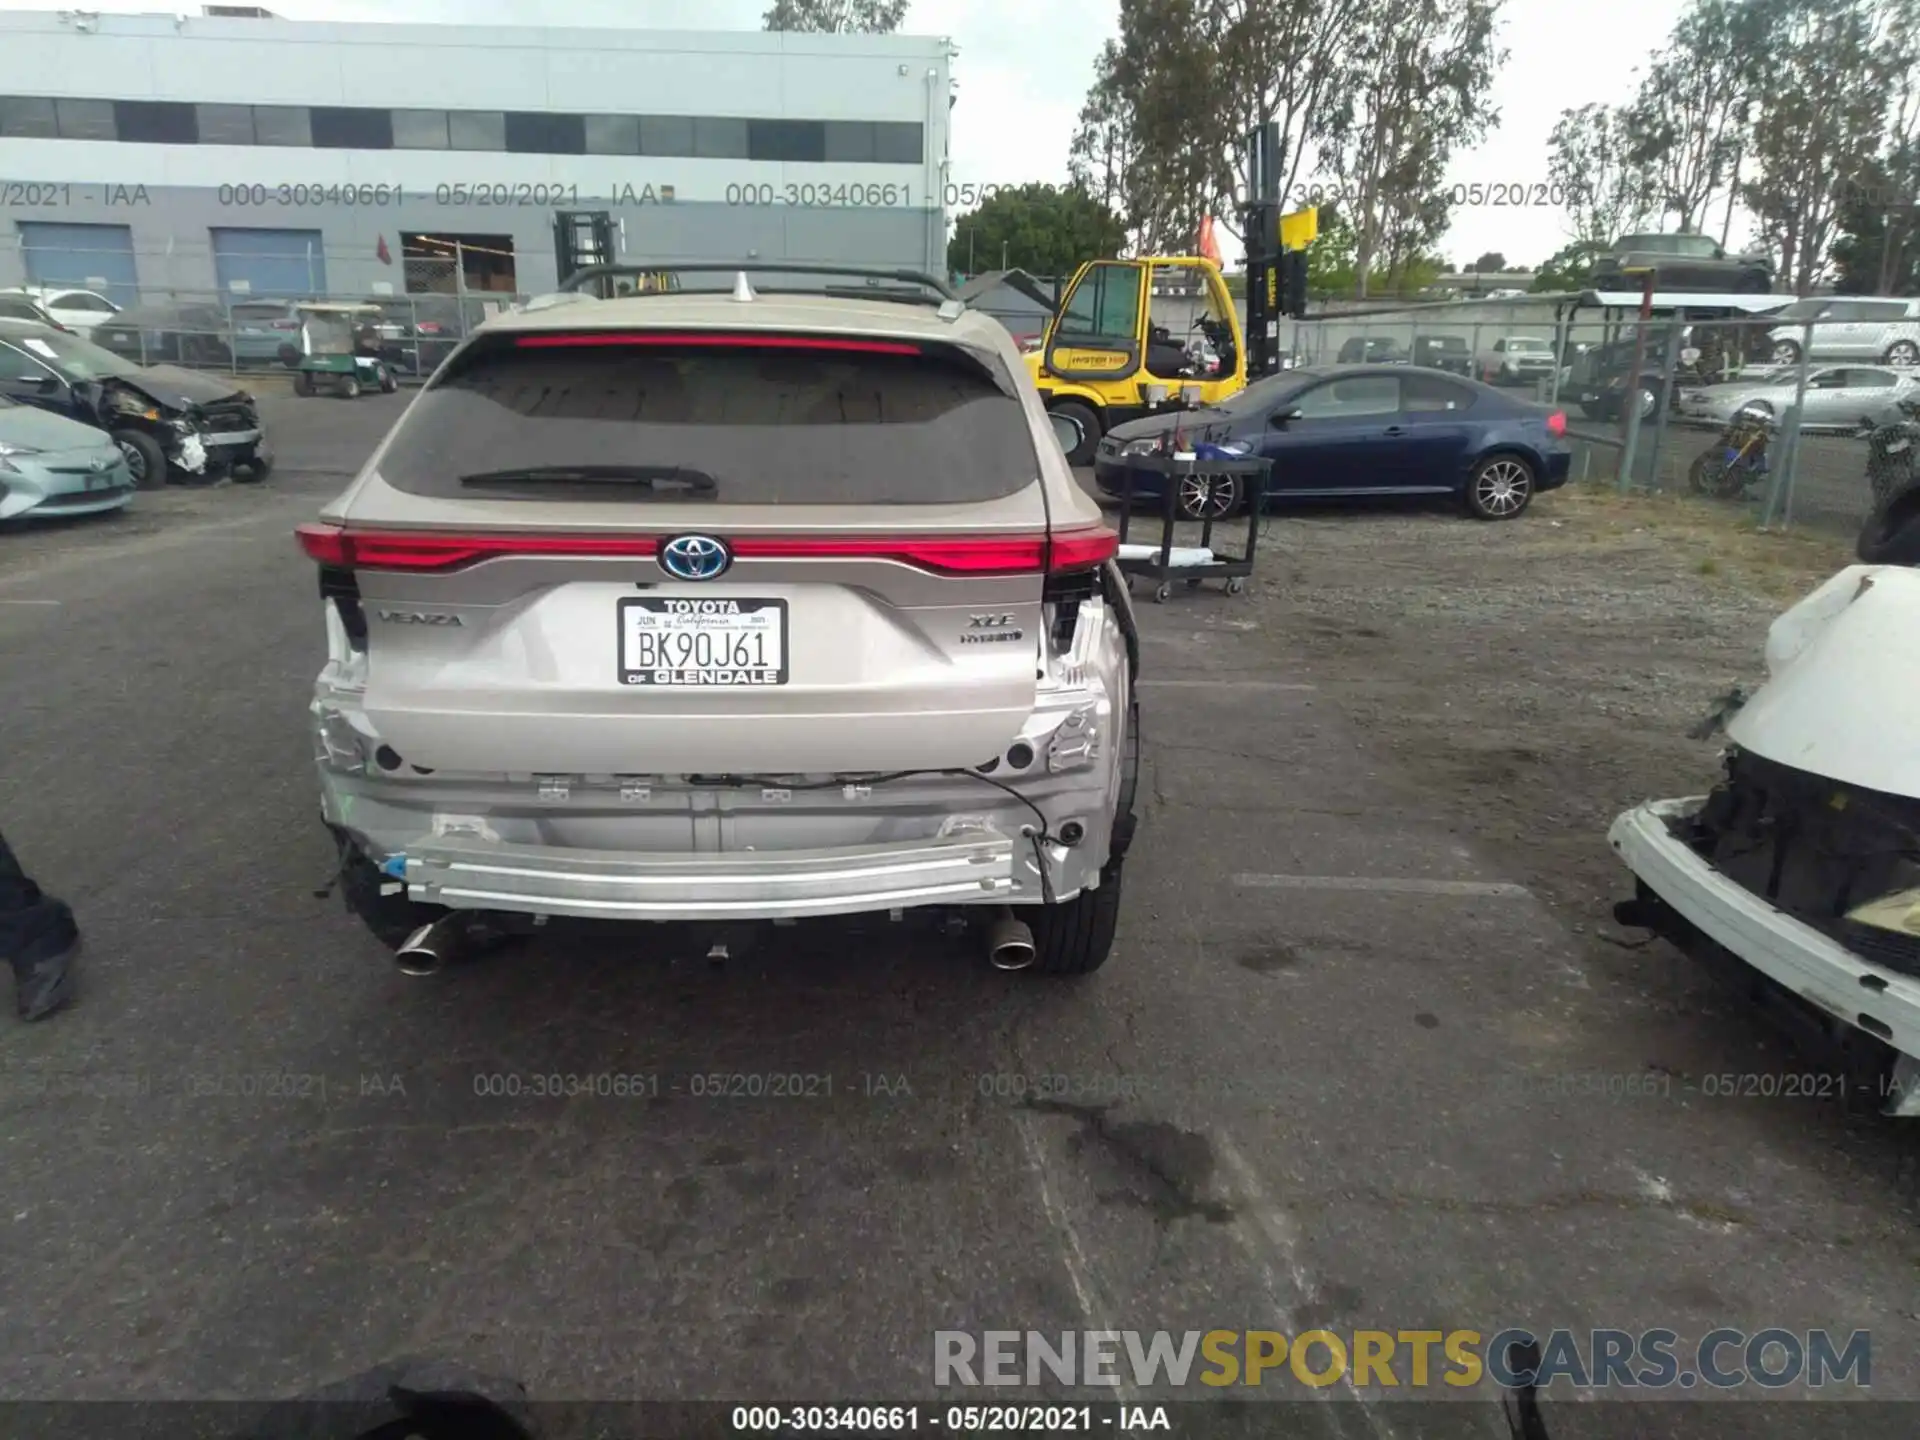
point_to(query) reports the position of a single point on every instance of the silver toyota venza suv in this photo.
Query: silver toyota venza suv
(728, 605)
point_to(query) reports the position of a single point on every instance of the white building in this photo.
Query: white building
(195, 156)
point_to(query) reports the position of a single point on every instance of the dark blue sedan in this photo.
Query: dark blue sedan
(1356, 430)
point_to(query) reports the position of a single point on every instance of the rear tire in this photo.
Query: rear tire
(1500, 488)
(387, 383)
(1891, 535)
(252, 470)
(302, 383)
(350, 388)
(1902, 352)
(391, 919)
(1090, 431)
(1074, 937)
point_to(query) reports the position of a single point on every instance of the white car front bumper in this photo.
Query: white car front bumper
(1883, 1003)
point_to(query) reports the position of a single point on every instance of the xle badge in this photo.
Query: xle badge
(989, 630)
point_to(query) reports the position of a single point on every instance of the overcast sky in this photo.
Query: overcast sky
(1025, 66)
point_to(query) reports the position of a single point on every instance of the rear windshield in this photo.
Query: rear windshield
(801, 427)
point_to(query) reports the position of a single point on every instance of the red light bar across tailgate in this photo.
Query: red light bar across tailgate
(425, 552)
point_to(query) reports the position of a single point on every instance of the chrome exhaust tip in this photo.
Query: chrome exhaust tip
(428, 949)
(1009, 942)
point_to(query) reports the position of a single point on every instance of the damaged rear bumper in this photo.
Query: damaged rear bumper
(1882, 1003)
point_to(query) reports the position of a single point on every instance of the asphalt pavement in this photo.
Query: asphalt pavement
(1340, 1071)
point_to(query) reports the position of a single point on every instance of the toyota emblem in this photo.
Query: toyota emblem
(695, 557)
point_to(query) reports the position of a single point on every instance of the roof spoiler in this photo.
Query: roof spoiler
(921, 287)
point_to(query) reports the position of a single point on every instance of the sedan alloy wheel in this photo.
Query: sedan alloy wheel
(1501, 488)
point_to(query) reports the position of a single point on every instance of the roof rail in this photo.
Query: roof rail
(940, 291)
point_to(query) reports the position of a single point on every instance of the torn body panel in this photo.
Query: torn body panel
(1804, 862)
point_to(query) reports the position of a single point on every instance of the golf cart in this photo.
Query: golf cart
(339, 351)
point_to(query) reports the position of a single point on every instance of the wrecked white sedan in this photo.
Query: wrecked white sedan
(1804, 862)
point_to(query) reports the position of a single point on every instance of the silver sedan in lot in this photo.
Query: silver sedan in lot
(50, 465)
(1839, 397)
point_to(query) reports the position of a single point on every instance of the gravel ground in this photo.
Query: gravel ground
(1542, 675)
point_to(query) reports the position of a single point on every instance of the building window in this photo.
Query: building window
(419, 129)
(720, 139)
(335, 127)
(897, 143)
(27, 120)
(477, 130)
(85, 119)
(796, 140)
(536, 132)
(225, 124)
(155, 122)
(849, 142)
(666, 135)
(613, 134)
(282, 125)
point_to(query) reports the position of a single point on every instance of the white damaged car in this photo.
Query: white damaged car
(1803, 864)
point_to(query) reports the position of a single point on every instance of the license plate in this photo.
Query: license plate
(724, 643)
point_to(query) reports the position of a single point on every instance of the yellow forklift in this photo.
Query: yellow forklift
(1131, 337)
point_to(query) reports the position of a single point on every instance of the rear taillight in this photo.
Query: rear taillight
(1557, 423)
(283, 325)
(426, 327)
(400, 550)
(1075, 551)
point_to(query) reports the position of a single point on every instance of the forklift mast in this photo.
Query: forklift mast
(582, 238)
(1276, 277)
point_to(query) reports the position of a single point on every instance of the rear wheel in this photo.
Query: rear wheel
(1074, 937)
(387, 383)
(1089, 422)
(1786, 352)
(350, 388)
(252, 469)
(302, 383)
(1891, 535)
(1501, 487)
(146, 461)
(390, 918)
(1902, 352)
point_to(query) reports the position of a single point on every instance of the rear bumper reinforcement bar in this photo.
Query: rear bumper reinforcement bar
(974, 868)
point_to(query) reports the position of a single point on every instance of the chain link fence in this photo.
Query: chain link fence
(1772, 419)
(155, 306)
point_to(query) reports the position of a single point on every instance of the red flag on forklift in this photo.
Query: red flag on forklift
(1208, 246)
(386, 257)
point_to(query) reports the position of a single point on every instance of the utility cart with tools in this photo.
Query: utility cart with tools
(1168, 562)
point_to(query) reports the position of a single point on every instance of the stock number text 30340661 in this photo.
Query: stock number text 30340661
(276, 196)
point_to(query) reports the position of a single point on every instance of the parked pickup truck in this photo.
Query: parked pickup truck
(1516, 360)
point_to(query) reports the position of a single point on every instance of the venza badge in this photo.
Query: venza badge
(695, 557)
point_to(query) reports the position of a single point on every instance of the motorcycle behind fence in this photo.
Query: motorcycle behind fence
(1893, 452)
(1735, 464)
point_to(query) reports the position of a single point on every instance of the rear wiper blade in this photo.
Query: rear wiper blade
(647, 476)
